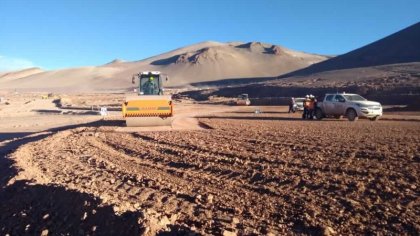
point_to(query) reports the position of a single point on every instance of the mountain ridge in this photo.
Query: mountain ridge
(205, 61)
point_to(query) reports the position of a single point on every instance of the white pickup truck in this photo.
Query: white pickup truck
(352, 106)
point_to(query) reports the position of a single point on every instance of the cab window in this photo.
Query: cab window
(149, 85)
(339, 98)
(329, 98)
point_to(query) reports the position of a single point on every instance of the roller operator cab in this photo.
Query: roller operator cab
(149, 107)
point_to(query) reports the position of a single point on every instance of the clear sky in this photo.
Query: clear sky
(55, 34)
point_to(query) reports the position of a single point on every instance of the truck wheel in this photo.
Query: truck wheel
(318, 114)
(352, 115)
(374, 118)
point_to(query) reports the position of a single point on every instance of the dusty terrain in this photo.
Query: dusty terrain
(396, 84)
(219, 170)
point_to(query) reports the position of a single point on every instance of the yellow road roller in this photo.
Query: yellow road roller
(149, 107)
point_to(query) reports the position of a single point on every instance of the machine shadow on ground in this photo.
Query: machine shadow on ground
(54, 208)
(37, 208)
(265, 112)
(256, 117)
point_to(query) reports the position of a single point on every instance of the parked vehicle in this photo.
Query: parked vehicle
(299, 104)
(243, 100)
(352, 106)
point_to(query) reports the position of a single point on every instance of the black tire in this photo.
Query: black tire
(318, 114)
(374, 118)
(352, 115)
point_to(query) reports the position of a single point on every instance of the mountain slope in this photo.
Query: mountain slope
(19, 73)
(400, 47)
(387, 71)
(207, 61)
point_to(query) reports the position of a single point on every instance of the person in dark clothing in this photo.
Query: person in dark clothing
(150, 87)
(292, 105)
(311, 107)
(305, 107)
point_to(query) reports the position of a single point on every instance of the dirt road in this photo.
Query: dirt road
(244, 173)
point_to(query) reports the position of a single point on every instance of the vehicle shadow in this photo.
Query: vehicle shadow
(256, 117)
(274, 118)
(7, 136)
(264, 112)
(69, 112)
(29, 209)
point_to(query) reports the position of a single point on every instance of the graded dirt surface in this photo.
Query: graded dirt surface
(235, 171)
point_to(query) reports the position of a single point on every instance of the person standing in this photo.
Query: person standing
(292, 104)
(311, 107)
(305, 107)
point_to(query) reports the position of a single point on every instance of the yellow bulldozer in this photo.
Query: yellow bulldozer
(149, 107)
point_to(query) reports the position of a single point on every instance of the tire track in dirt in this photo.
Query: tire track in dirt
(214, 181)
(246, 177)
(90, 174)
(96, 155)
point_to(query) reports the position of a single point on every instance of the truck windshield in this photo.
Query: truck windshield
(354, 98)
(149, 85)
(299, 100)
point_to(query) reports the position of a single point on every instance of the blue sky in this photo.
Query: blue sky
(56, 34)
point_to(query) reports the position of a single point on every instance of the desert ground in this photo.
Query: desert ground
(219, 170)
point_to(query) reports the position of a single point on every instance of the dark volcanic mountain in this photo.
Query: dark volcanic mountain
(387, 71)
(400, 47)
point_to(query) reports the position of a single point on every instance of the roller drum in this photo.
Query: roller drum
(148, 121)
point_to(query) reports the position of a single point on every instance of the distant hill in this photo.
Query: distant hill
(387, 70)
(392, 84)
(114, 62)
(19, 74)
(207, 61)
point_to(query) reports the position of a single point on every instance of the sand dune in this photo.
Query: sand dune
(19, 74)
(207, 61)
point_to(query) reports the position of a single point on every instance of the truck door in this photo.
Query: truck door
(328, 104)
(339, 105)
